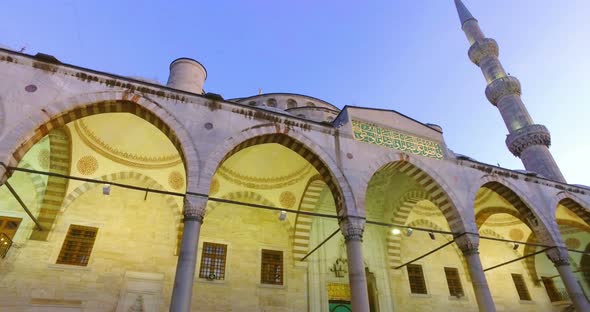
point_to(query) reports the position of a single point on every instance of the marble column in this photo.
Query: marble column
(352, 228)
(194, 211)
(559, 257)
(469, 245)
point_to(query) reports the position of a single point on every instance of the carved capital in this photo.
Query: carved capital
(558, 256)
(194, 208)
(482, 49)
(468, 243)
(524, 137)
(352, 228)
(501, 87)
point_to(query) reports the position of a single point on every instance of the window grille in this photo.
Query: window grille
(552, 292)
(454, 282)
(416, 278)
(213, 261)
(78, 245)
(521, 288)
(272, 267)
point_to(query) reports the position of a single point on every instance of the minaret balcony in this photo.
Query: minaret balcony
(483, 49)
(501, 87)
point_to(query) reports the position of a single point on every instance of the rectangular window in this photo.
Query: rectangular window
(521, 288)
(78, 245)
(454, 282)
(272, 267)
(213, 261)
(416, 277)
(551, 289)
(8, 226)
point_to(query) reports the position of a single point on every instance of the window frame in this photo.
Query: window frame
(202, 259)
(521, 291)
(60, 261)
(283, 267)
(552, 292)
(453, 289)
(422, 275)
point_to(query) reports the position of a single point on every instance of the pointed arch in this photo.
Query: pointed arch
(482, 216)
(431, 182)
(309, 202)
(293, 140)
(573, 204)
(55, 115)
(400, 216)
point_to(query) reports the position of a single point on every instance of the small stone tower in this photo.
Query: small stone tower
(526, 140)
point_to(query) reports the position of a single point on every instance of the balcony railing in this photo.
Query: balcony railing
(5, 244)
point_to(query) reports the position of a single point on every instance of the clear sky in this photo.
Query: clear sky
(406, 55)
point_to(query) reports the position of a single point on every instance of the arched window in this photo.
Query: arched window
(271, 103)
(252, 103)
(291, 103)
(310, 104)
(301, 115)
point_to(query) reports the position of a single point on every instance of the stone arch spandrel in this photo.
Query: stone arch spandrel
(441, 192)
(40, 121)
(297, 142)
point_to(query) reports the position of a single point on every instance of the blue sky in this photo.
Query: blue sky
(410, 56)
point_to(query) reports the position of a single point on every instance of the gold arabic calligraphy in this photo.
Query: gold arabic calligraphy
(370, 133)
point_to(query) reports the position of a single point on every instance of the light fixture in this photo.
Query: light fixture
(409, 232)
(395, 231)
(106, 189)
(431, 234)
(515, 246)
(283, 215)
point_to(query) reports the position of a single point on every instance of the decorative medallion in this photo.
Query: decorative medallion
(43, 158)
(31, 88)
(573, 243)
(516, 234)
(287, 199)
(87, 165)
(349, 156)
(214, 188)
(176, 180)
(208, 126)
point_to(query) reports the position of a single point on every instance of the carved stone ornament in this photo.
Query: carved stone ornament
(527, 136)
(352, 228)
(559, 256)
(482, 49)
(501, 87)
(468, 243)
(194, 208)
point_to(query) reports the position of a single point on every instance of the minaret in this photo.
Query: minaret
(526, 140)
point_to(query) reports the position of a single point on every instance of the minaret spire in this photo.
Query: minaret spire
(464, 14)
(526, 140)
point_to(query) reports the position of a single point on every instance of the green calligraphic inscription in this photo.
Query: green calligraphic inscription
(370, 133)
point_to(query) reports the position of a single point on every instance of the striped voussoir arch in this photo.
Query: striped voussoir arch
(145, 180)
(510, 196)
(303, 151)
(55, 191)
(111, 106)
(482, 215)
(37, 180)
(400, 214)
(435, 192)
(240, 196)
(530, 262)
(576, 208)
(309, 202)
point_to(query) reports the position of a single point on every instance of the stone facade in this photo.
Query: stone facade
(274, 171)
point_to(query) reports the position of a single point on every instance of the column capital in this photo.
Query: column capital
(558, 255)
(352, 228)
(194, 207)
(468, 243)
